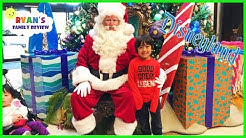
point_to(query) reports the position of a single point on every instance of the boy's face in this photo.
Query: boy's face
(7, 99)
(144, 51)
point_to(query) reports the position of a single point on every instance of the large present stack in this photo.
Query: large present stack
(43, 75)
(202, 91)
(45, 69)
(237, 73)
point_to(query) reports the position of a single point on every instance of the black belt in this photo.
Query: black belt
(106, 75)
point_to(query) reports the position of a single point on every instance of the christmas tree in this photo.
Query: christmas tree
(157, 17)
(83, 20)
(201, 22)
(79, 25)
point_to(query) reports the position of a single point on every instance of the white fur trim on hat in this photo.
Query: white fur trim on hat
(80, 74)
(123, 128)
(85, 125)
(128, 30)
(108, 85)
(104, 9)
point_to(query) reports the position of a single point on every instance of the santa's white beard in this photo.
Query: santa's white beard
(109, 44)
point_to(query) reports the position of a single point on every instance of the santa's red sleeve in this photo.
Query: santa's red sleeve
(81, 73)
(83, 53)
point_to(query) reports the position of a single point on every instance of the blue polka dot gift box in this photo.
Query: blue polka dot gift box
(202, 91)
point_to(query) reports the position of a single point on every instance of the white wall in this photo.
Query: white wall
(211, 8)
(60, 23)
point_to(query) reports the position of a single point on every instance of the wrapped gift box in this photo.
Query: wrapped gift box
(43, 75)
(202, 91)
(237, 73)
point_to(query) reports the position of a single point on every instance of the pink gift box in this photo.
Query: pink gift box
(237, 73)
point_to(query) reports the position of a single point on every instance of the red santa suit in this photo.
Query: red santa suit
(103, 63)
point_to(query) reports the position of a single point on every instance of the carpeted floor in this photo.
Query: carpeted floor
(238, 130)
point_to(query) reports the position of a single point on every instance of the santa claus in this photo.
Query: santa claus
(102, 68)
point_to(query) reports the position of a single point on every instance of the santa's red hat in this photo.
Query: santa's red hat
(126, 14)
(116, 9)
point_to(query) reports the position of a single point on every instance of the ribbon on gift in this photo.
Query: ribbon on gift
(50, 52)
(64, 66)
(209, 91)
(64, 70)
(32, 84)
(209, 85)
(195, 53)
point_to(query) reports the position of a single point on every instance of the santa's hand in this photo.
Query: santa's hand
(83, 88)
(162, 78)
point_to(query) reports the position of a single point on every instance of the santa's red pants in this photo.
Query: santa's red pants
(122, 99)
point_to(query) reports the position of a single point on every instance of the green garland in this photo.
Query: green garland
(56, 101)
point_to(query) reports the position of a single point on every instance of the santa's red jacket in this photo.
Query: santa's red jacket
(87, 58)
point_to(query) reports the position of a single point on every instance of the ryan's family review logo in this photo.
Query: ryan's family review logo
(27, 23)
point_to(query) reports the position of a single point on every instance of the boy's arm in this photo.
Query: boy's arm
(154, 102)
(136, 94)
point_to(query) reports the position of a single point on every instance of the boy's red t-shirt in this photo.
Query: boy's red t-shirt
(141, 79)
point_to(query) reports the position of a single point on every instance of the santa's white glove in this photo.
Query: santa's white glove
(83, 89)
(162, 78)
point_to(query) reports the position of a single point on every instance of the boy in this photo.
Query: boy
(141, 78)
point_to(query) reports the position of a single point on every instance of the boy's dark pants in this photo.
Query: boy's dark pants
(143, 119)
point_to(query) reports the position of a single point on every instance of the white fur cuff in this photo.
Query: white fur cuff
(123, 128)
(80, 74)
(85, 125)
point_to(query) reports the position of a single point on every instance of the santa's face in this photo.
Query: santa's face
(111, 22)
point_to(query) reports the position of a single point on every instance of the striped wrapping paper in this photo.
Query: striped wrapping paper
(43, 75)
(172, 49)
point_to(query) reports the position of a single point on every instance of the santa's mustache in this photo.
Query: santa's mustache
(114, 27)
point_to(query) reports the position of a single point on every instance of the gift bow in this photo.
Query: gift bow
(50, 52)
(195, 53)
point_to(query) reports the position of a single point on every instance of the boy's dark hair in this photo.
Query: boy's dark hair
(144, 38)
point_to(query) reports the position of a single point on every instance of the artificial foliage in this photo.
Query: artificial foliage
(157, 17)
(78, 26)
(59, 110)
(81, 22)
(201, 22)
(69, 115)
(55, 102)
(158, 10)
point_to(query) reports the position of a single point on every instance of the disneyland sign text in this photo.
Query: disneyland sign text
(199, 40)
